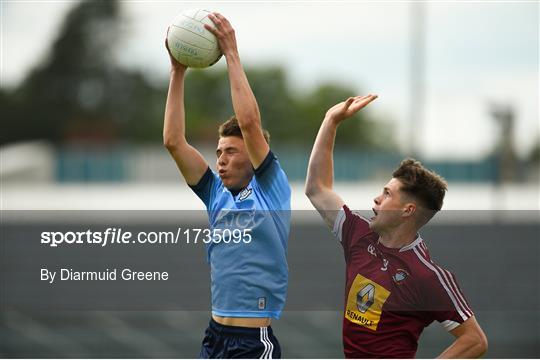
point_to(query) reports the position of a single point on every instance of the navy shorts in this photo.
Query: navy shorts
(235, 342)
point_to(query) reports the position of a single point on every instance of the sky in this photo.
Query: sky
(476, 54)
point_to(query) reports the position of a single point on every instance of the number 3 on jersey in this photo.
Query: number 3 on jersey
(365, 301)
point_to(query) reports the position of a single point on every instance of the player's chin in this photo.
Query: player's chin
(226, 183)
(226, 180)
(229, 184)
(374, 224)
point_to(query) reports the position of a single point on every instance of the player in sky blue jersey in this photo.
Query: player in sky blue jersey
(249, 195)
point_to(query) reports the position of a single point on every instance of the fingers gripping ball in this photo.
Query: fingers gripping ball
(190, 43)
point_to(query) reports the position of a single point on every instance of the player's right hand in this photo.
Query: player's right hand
(175, 64)
(349, 107)
(224, 33)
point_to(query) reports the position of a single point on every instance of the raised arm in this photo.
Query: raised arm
(471, 342)
(190, 161)
(244, 102)
(320, 175)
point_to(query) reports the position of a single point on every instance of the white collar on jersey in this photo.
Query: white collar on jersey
(417, 241)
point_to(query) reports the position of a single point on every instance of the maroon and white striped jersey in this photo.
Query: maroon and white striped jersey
(391, 295)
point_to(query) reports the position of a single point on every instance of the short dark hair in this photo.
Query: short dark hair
(424, 185)
(232, 128)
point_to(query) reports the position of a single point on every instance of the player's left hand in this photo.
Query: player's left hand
(224, 32)
(349, 107)
(175, 64)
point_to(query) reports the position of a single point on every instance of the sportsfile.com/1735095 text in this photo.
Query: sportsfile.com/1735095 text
(117, 236)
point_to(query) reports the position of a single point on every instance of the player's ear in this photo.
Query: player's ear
(409, 210)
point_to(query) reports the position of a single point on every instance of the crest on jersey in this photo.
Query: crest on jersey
(244, 194)
(400, 276)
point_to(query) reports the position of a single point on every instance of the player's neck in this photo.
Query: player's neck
(398, 237)
(237, 189)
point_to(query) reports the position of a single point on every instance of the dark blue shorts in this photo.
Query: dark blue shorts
(235, 342)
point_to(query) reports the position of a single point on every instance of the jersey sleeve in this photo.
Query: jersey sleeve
(273, 182)
(348, 227)
(207, 187)
(444, 299)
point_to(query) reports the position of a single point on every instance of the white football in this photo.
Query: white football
(190, 43)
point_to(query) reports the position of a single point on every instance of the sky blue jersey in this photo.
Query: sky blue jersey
(248, 266)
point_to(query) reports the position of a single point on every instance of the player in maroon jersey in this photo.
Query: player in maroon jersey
(393, 289)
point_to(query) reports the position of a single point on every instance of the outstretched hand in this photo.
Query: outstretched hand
(224, 33)
(349, 107)
(175, 64)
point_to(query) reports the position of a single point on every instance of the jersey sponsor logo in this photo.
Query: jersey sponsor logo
(365, 301)
(244, 194)
(240, 219)
(400, 276)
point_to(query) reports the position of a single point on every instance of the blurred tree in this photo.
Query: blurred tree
(207, 102)
(78, 94)
(70, 91)
(361, 131)
(292, 119)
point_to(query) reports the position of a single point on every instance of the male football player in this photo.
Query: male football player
(393, 288)
(250, 193)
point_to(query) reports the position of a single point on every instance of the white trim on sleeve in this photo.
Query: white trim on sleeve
(463, 311)
(449, 325)
(338, 224)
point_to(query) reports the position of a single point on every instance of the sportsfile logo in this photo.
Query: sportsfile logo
(118, 236)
